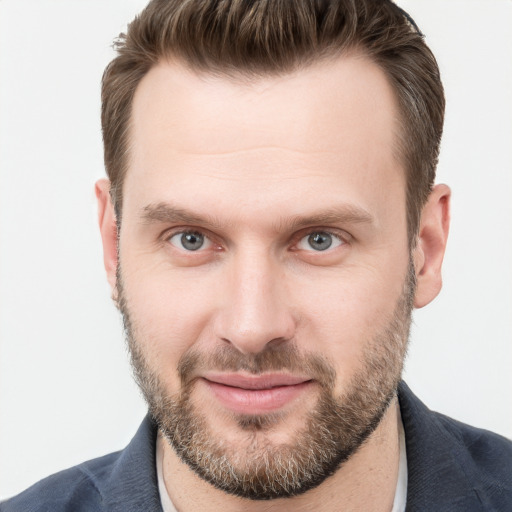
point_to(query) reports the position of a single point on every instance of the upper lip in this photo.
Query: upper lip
(263, 381)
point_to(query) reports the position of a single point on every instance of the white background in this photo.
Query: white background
(66, 393)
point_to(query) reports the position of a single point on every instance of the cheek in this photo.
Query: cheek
(169, 311)
(342, 314)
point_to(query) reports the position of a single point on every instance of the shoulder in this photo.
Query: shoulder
(451, 465)
(73, 489)
(489, 452)
(123, 481)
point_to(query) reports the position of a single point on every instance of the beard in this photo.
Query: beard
(333, 429)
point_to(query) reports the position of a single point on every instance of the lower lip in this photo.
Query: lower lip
(256, 401)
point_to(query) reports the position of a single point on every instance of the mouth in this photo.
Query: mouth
(256, 394)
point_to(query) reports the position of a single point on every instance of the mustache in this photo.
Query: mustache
(280, 358)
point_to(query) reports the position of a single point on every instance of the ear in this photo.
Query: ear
(108, 230)
(431, 244)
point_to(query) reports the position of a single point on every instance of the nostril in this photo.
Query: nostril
(276, 342)
(249, 344)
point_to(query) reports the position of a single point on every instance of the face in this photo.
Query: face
(264, 273)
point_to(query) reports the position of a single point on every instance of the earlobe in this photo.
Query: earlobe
(108, 230)
(431, 244)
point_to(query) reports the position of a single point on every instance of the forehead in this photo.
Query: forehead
(335, 120)
(301, 108)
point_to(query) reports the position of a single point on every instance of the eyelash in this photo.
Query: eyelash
(309, 233)
(206, 237)
(299, 237)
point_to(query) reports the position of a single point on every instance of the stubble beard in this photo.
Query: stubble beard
(333, 429)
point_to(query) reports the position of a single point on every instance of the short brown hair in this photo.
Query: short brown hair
(265, 37)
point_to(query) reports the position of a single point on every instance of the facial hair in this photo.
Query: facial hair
(334, 429)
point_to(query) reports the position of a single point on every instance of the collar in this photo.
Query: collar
(132, 483)
(443, 474)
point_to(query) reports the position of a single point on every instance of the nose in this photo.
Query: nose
(255, 311)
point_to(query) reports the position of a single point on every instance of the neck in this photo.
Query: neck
(367, 481)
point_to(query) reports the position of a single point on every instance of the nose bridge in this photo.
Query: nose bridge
(255, 311)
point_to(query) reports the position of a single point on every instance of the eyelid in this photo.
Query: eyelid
(207, 243)
(342, 236)
(180, 230)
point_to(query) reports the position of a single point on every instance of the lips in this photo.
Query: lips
(256, 394)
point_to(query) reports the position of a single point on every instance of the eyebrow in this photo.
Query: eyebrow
(343, 214)
(167, 213)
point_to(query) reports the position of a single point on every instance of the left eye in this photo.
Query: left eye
(190, 241)
(319, 241)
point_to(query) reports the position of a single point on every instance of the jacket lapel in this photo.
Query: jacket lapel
(442, 476)
(132, 484)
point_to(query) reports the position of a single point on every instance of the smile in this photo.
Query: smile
(256, 394)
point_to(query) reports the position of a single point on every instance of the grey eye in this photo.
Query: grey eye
(319, 241)
(189, 240)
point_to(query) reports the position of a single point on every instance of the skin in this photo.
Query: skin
(258, 165)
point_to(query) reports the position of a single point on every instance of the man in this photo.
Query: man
(269, 222)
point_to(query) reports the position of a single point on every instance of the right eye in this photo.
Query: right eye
(190, 241)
